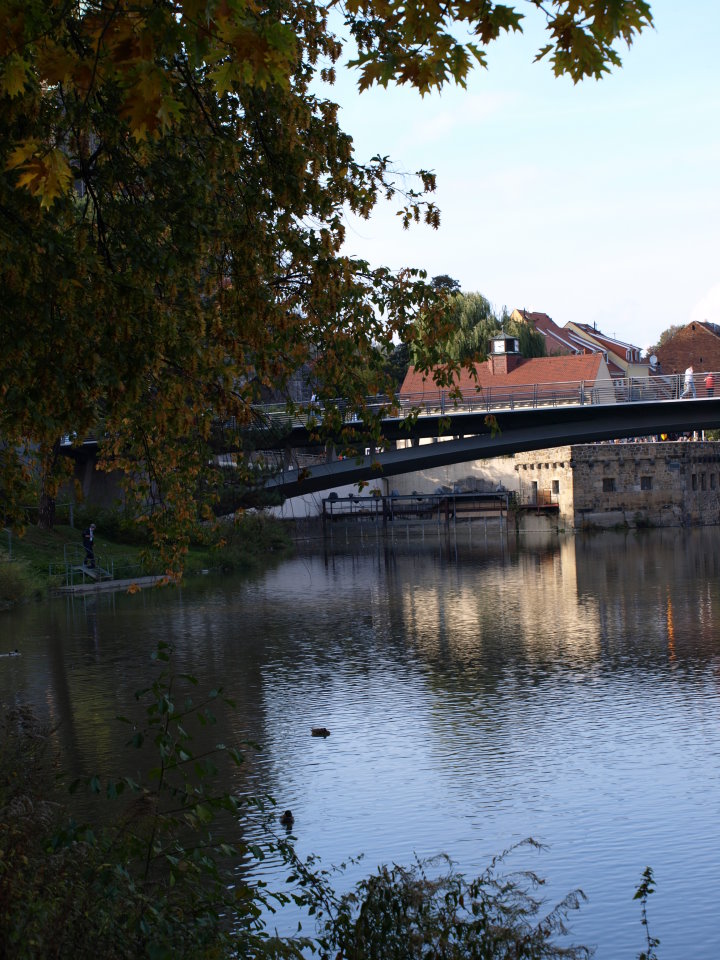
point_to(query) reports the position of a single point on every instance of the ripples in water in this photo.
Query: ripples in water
(475, 695)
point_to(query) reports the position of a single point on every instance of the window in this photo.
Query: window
(702, 481)
(556, 486)
(646, 483)
(693, 481)
(608, 484)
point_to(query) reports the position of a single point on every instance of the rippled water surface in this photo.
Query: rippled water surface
(477, 692)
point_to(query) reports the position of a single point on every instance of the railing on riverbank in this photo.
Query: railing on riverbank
(74, 570)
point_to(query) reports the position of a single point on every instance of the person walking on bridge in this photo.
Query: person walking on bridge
(710, 385)
(689, 390)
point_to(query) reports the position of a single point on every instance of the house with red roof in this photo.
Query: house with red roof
(557, 341)
(623, 359)
(507, 377)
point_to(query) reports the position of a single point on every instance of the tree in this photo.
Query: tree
(665, 336)
(172, 189)
(446, 283)
(473, 323)
(532, 343)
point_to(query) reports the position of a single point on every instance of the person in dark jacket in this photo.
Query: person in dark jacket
(88, 538)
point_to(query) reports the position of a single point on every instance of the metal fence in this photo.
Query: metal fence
(434, 402)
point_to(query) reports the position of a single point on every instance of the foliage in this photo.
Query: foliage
(18, 582)
(666, 336)
(159, 882)
(431, 910)
(532, 343)
(249, 541)
(446, 283)
(116, 523)
(472, 323)
(397, 364)
(172, 192)
(643, 892)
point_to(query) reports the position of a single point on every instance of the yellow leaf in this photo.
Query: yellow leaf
(14, 75)
(46, 175)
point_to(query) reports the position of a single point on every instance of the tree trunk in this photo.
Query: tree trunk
(48, 488)
(46, 512)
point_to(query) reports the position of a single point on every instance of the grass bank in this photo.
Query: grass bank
(32, 566)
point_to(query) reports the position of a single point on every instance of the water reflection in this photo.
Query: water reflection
(477, 690)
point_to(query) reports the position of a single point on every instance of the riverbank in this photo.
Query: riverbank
(41, 563)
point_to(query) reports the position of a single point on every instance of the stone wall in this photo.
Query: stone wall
(605, 484)
(546, 476)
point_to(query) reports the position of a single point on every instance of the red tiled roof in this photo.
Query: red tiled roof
(534, 316)
(528, 371)
(610, 343)
(557, 340)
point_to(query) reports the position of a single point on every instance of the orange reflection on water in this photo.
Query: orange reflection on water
(670, 629)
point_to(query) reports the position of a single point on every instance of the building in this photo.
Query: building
(659, 484)
(557, 342)
(697, 345)
(507, 377)
(623, 359)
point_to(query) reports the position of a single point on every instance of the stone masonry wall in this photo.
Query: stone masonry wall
(605, 484)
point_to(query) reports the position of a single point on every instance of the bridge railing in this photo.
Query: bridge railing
(434, 401)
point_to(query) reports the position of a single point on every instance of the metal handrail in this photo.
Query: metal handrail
(435, 401)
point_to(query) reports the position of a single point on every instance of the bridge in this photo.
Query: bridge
(487, 423)
(491, 424)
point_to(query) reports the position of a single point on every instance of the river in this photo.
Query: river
(477, 691)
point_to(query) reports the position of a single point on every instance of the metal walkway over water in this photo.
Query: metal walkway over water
(489, 422)
(492, 423)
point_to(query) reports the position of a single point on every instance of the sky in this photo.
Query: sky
(597, 203)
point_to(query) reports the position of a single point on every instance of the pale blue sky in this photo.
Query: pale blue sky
(598, 202)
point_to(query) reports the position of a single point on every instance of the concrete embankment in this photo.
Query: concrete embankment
(107, 586)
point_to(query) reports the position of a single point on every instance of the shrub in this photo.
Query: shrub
(402, 913)
(17, 582)
(246, 543)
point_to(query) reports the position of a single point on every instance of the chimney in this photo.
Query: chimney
(504, 355)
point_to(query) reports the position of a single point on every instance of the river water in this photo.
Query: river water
(478, 691)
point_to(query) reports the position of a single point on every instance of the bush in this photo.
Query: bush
(17, 582)
(429, 910)
(159, 883)
(115, 524)
(245, 544)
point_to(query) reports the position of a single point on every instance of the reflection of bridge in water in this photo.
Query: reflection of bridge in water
(493, 423)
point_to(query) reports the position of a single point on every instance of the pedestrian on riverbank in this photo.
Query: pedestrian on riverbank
(88, 537)
(689, 390)
(710, 385)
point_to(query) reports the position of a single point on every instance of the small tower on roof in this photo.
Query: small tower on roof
(504, 355)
